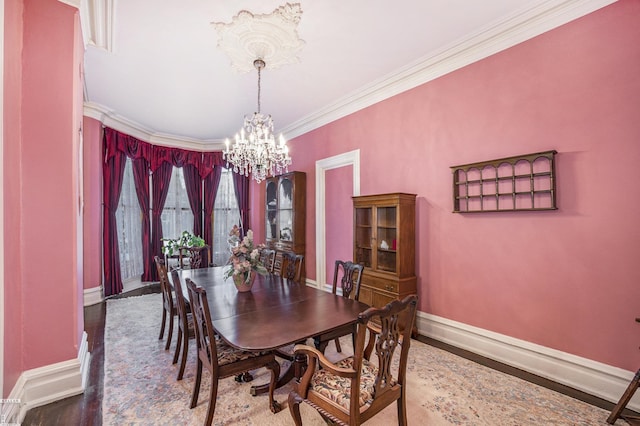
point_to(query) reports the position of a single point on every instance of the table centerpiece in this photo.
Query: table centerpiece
(244, 262)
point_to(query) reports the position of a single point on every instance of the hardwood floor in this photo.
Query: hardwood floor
(86, 409)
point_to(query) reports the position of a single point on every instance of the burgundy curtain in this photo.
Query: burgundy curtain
(117, 143)
(241, 189)
(212, 164)
(162, 160)
(160, 180)
(112, 176)
(193, 184)
(159, 160)
(141, 178)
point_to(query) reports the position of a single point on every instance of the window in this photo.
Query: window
(176, 215)
(128, 222)
(226, 213)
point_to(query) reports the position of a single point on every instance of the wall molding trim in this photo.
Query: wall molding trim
(515, 29)
(93, 295)
(43, 385)
(592, 377)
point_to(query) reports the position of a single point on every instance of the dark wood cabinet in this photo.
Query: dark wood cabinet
(285, 214)
(384, 242)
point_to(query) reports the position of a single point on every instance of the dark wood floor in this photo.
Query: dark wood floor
(86, 409)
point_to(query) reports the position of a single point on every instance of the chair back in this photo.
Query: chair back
(268, 259)
(205, 337)
(292, 266)
(348, 276)
(394, 324)
(165, 288)
(199, 257)
(181, 303)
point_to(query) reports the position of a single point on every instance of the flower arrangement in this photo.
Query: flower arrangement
(245, 256)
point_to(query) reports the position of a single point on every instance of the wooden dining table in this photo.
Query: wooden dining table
(276, 312)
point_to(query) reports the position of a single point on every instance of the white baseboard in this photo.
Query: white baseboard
(43, 385)
(93, 296)
(594, 378)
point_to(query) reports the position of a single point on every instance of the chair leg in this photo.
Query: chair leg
(170, 334)
(196, 384)
(211, 408)
(164, 320)
(183, 361)
(624, 399)
(178, 344)
(338, 348)
(294, 401)
(402, 408)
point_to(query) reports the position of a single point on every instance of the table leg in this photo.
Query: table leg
(294, 371)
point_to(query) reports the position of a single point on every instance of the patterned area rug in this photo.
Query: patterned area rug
(140, 386)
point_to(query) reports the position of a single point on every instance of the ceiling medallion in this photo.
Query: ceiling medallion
(272, 37)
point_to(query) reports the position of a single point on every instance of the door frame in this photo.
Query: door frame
(351, 158)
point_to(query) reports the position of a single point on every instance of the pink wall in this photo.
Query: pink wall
(565, 279)
(44, 319)
(92, 213)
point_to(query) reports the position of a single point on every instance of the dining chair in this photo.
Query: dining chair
(348, 276)
(186, 329)
(291, 266)
(194, 257)
(354, 389)
(221, 359)
(268, 258)
(169, 308)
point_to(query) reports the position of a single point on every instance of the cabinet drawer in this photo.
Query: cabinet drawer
(366, 296)
(380, 284)
(379, 300)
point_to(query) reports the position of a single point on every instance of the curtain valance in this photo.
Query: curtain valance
(130, 146)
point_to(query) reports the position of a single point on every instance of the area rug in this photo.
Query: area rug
(140, 386)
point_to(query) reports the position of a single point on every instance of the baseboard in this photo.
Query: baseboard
(93, 296)
(43, 385)
(594, 378)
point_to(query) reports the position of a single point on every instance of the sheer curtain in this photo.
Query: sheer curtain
(176, 214)
(128, 224)
(225, 214)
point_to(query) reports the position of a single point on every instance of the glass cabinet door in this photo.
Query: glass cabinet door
(386, 238)
(363, 236)
(272, 212)
(285, 216)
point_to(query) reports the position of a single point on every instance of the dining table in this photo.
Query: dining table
(276, 313)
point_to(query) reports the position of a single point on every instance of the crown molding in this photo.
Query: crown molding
(110, 119)
(488, 41)
(73, 3)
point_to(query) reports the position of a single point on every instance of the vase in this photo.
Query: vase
(240, 280)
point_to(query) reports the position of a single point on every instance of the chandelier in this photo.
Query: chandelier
(255, 151)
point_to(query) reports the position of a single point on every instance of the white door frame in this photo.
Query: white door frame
(351, 158)
(1, 197)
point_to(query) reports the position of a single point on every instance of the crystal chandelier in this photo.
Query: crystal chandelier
(255, 150)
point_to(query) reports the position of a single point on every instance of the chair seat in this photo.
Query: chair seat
(228, 354)
(337, 389)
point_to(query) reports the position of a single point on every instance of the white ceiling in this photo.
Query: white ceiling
(165, 78)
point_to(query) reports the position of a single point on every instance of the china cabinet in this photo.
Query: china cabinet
(384, 242)
(285, 214)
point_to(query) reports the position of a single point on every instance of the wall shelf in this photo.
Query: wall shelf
(519, 183)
